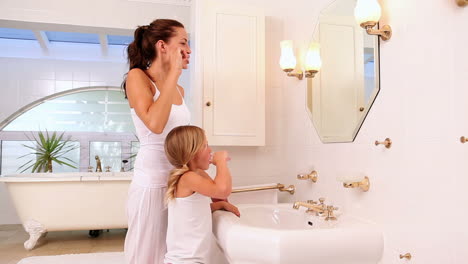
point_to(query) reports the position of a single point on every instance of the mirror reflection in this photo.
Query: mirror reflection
(341, 94)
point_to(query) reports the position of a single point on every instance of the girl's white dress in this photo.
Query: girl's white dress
(189, 233)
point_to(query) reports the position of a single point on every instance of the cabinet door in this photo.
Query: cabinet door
(233, 56)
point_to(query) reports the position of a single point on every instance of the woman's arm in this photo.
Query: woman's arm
(154, 114)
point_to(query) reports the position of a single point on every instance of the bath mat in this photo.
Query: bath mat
(88, 258)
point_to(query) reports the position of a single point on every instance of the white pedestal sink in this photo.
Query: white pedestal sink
(279, 234)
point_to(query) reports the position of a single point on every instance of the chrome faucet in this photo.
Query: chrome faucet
(98, 164)
(319, 209)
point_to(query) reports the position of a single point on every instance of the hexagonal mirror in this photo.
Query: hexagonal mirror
(340, 95)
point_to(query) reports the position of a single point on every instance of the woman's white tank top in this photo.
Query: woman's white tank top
(151, 165)
(189, 230)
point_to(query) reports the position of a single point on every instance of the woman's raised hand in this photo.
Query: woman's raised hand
(220, 156)
(175, 60)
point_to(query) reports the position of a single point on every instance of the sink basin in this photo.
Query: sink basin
(277, 233)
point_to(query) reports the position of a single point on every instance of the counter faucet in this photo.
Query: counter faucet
(98, 164)
(320, 209)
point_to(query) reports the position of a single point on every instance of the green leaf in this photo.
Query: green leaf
(48, 147)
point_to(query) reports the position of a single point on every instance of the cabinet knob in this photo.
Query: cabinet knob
(208, 103)
(361, 109)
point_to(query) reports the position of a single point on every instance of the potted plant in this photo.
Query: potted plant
(48, 149)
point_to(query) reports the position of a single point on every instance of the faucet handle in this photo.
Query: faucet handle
(321, 200)
(311, 202)
(90, 169)
(108, 168)
(311, 176)
(330, 215)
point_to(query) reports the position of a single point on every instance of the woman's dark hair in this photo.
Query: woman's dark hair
(142, 51)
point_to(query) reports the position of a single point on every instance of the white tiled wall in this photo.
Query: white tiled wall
(26, 80)
(417, 193)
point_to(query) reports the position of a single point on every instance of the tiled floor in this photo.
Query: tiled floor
(12, 238)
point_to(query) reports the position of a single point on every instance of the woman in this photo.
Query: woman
(156, 57)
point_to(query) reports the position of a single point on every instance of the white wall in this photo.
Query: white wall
(417, 193)
(27, 80)
(120, 14)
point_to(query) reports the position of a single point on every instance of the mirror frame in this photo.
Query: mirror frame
(372, 98)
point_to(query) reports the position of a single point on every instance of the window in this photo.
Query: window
(82, 111)
(13, 157)
(119, 40)
(97, 119)
(13, 33)
(75, 37)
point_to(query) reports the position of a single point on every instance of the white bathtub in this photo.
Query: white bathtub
(83, 201)
(68, 201)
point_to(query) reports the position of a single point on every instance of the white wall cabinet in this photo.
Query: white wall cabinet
(231, 43)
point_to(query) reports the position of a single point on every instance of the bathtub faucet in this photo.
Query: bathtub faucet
(98, 164)
(319, 209)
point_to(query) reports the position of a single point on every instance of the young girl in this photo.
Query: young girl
(189, 190)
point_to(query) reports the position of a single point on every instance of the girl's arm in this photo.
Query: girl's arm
(214, 200)
(206, 186)
(200, 182)
(216, 206)
(222, 205)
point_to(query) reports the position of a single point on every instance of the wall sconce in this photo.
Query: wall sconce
(462, 2)
(313, 63)
(367, 14)
(288, 60)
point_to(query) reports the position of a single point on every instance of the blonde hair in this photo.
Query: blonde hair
(181, 146)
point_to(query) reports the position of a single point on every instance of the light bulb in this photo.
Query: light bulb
(287, 59)
(313, 61)
(366, 11)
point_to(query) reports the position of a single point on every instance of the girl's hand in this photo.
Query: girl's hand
(231, 208)
(220, 156)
